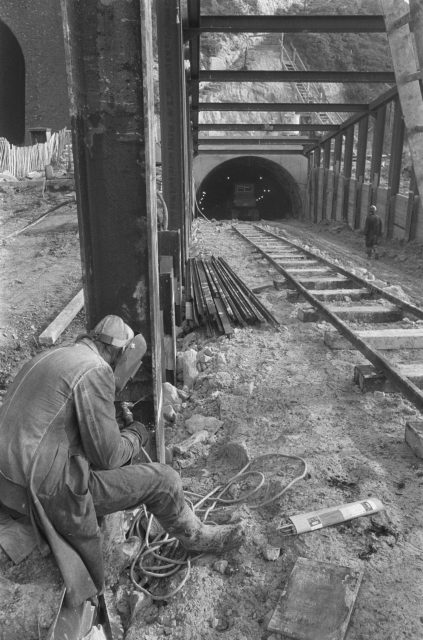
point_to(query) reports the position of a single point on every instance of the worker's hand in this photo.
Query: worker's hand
(140, 430)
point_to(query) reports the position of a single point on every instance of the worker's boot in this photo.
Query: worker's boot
(194, 535)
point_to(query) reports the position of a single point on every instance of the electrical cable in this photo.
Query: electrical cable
(163, 550)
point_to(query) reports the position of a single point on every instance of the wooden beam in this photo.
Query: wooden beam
(297, 76)
(277, 107)
(289, 24)
(395, 164)
(409, 78)
(62, 321)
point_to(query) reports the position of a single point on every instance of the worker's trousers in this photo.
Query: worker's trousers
(155, 485)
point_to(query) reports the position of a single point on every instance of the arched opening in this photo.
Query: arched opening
(249, 188)
(12, 87)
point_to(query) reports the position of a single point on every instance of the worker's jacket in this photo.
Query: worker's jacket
(373, 227)
(58, 421)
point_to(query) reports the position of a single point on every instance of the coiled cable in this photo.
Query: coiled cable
(164, 550)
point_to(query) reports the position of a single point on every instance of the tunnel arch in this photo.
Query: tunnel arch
(12, 87)
(277, 194)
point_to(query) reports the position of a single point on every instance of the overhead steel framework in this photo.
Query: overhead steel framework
(288, 24)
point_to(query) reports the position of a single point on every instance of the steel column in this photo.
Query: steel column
(326, 164)
(172, 98)
(348, 156)
(109, 68)
(317, 157)
(377, 148)
(363, 130)
(336, 169)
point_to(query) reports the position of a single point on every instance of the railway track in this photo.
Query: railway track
(349, 303)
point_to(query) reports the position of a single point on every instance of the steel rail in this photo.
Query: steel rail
(408, 388)
(403, 304)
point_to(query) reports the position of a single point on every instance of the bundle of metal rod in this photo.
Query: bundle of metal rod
(217, 298)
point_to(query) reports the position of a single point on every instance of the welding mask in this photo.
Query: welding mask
(129, 361)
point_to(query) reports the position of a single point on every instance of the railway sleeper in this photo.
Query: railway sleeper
(328, 295)
(360, 313)
(381, 339)
(369, 379)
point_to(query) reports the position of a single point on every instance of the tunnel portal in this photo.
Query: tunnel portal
(12, 87)
(249, 188)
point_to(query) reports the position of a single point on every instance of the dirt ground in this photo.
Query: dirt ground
(277, 393)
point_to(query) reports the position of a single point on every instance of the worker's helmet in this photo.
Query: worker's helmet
(373, 208)
(112, 330)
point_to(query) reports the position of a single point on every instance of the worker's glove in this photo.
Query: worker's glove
(139, 430)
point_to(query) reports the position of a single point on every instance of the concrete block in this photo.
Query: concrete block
(370, 380)
(292, 295)
(414, 436)
(308, 314)
(279, 283)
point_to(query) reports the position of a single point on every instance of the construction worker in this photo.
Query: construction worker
(64, 462)
(372, 232)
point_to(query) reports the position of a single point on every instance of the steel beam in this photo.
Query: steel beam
(297, 76)
(254, 152)
(194, 59)
(381, 100)
(289, 24)
(294, 107)
(109, 65)
(171, 77)
(254, 140)
(267, 127)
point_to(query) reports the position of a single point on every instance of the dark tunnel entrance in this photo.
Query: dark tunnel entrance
(249, 188)
(12, 87)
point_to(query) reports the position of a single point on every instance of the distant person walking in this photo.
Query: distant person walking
(372, 232)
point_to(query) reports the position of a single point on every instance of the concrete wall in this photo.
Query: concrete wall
(406, 211)
(295, 165)
(37, 26)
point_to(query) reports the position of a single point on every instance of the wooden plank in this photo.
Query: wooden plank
(65, 317)
(317, 601)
